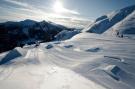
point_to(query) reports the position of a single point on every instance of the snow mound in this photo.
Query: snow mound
(68, 46)
(113, 71)
(93, 49)
(10, 56)
(49, 46)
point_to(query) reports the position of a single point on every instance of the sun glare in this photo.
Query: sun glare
(58, 7)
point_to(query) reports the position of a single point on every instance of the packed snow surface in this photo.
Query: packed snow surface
(87, 61)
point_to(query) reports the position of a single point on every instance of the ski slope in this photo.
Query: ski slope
(86, 61)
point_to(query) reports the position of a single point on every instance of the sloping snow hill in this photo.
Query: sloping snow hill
(123, 19)
(87, 61)
(125, 27)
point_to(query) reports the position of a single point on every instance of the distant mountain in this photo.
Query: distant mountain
(13, 34)
(123, 19)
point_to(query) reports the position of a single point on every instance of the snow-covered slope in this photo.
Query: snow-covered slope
(103, 23)
(64, 35)
(87, 61)
(126, 26)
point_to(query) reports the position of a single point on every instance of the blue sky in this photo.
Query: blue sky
(51, 9)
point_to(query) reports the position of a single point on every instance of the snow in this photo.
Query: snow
(65, 34)
(126, 26)
(49, 46)
(86, 61)
(105, 22)
(13, 54)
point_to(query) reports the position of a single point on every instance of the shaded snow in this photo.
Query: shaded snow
(65, 34)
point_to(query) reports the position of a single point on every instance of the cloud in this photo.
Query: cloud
(26, 7)
(23, 4)
(59, 8)
(30, 7)
(28, 11)
(18, 3)
(68, 11)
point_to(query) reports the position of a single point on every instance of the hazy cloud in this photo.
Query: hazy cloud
(31, 11)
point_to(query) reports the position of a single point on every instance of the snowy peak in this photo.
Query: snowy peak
(105, 22)
(119, 15)
(124, 27)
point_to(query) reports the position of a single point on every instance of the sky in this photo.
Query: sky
(55, 9)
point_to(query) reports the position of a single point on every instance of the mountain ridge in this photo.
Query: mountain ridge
(103, 23)
(13, 34)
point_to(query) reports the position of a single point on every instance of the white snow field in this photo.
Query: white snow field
(86, 61)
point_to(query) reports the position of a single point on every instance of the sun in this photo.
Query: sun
(58, 7)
